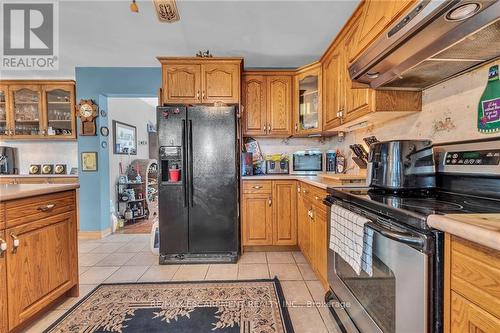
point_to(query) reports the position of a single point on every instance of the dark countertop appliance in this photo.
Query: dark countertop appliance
(277, 167)
(401, 165)
(404, 293)
(198, 211)
(8, 160)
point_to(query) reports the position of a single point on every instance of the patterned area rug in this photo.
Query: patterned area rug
(180, 307)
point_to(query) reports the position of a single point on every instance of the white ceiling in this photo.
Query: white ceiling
(266, 33)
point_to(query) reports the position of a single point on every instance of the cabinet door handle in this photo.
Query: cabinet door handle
(305, 191)
(265, 128)
(296, 127)
(11, 132)
(46, 208)
(203, 94)
(198, 94)
(269, 128)
(3, 246)
(257, 187)
(316, 197)
(16, 242)
(270, 201)
(298, 189)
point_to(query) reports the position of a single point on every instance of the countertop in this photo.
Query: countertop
(18, 191)
(483, 229)
(317, 181)
(38, 176)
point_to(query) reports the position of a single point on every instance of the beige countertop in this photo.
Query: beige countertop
(18, 191)
(317, 181)
(38, 176)
(483, 229)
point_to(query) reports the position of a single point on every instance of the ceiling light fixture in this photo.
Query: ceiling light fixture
(462, 12)
(134, 7)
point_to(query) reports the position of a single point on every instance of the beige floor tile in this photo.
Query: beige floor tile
(134, 247)
(307, 272)
(87, 247)
(280, 258)
(143, 259)
(222, 272)
(85, 289)
(191, 273)
(115, 259)
(118, 238)
(127, 274)
(285, 271)
(252, 271)
(299, 257)
(44, 322)
(328, 320)
(161, 273)
(317, 291)
(306, 320)
(107, 248)
(96, 275)
(90, 259)
(253, 258)
(296, 293)
(83, 269)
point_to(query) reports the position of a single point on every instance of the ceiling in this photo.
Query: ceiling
(266, 33)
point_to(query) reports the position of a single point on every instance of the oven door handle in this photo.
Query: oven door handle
(402, 237)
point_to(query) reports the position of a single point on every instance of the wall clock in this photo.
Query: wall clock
(87, 111)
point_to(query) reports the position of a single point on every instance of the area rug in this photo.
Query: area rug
(180, 307)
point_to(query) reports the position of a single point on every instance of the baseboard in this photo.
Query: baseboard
(270, 248)
(94, 234)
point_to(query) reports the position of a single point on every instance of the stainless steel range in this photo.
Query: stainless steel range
(400, 288)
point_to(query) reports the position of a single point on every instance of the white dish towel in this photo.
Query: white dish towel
(350, 239)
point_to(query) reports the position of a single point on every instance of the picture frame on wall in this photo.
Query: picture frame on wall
(124, 138)
(89, 161)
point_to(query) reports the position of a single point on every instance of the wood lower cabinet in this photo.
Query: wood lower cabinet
(201, 81)
(284, 212)
(320, 245)
(257, 219)
(3, 286)
(472, 287)
(41, 261)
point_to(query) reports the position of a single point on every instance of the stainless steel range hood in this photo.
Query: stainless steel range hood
(434, 41)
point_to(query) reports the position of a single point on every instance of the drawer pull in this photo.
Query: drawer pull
(316, 197)
(257, 187)
(270, 201)
(16, 242)
(3, 246)
(46, 208)
(305, 191)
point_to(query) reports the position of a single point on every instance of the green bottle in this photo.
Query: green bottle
(488, 110)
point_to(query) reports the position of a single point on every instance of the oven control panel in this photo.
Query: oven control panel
(480, 157)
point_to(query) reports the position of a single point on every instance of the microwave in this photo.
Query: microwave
(307, 162)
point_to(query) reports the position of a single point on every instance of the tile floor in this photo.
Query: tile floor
(127, 258)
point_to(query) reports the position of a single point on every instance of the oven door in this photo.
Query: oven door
(394, 298)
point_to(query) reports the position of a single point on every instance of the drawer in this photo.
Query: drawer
(254, 186)
(475, 274)
(313, 193)
(35, 208)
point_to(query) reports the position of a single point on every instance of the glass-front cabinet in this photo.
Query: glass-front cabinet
(307, 114)
(37, 111)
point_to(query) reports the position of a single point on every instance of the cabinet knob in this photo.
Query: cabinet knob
(257, 187)
(296, 127)
(198, 94)
(3, 246)
(316, 197)
(270, 201)
(298, 189)
(203, 94)
(46, 208)
(16, 242)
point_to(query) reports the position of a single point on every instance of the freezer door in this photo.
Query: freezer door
(173, 196)
(213, 180)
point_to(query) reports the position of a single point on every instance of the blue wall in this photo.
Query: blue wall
(99, 83)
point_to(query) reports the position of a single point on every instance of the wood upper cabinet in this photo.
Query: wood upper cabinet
(221, 83)
(279, 101)
(255, 105)
(267, 103)
(26, 108)
(5, 116)
(333, 86)
(3, 287)
(182, 83)
(257, 219)
(59, 102)
(198, 80)
(284, 212)
(307, 100)
(43, 266)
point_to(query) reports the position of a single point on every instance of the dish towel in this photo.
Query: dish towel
(350, 239)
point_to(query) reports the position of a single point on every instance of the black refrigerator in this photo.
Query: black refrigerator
(199, 184)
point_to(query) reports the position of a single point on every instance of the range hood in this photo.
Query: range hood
(434, 41)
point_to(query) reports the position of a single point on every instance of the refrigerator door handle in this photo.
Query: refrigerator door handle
(191, 186)
(184, 163)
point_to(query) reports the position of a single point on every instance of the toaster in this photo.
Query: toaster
(277, 167)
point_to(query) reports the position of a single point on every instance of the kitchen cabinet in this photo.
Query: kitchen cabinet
(37, 110)
(267, 103)
(3, 283)
(333, 85)
(269, 213)
(471, 287)
(201, 81)
(38, 180)
(307, 97)
(284, 212)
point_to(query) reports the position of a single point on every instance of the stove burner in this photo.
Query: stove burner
(435, 205)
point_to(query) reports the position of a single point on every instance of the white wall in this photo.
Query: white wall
(48, 152)
(136, 112)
